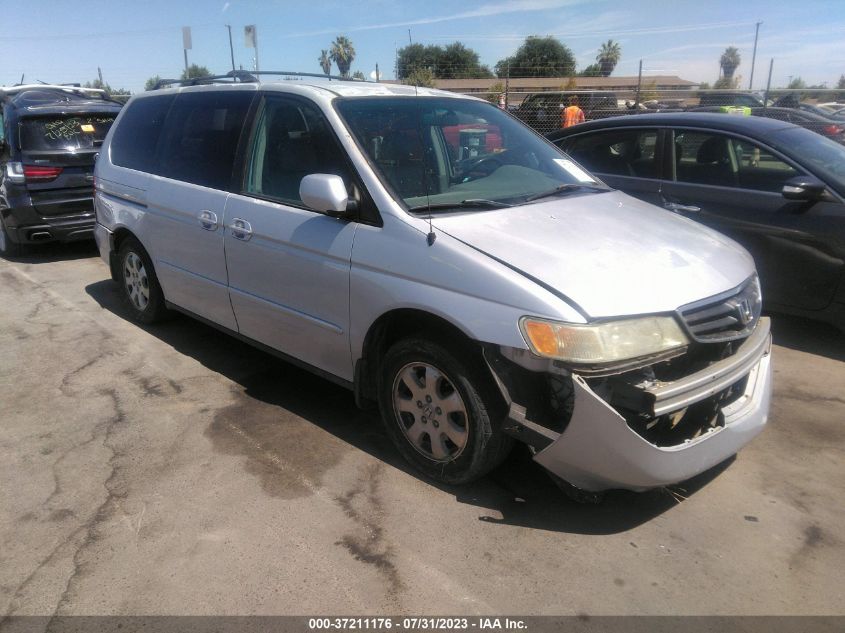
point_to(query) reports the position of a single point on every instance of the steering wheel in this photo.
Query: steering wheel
(481, 167)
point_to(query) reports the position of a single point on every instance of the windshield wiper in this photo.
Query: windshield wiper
(565, 188)
(470, 203)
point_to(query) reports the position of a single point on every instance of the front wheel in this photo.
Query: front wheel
(139, 285)
(437, 411)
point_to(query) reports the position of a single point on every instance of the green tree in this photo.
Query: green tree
(325, 62)
(538, 57)
(422, 77)
(195, 72)
(796, 84)
(150, 84)
(495, 90)
(704, 85)
(342, 54)
(101, 85)
(729, 83)
(729, 61)
(840, 85)
(593, 70)
(609, 55)
(456, 61)
(359, 75)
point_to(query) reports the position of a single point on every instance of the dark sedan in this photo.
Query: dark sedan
(776, 188)
(831, 128)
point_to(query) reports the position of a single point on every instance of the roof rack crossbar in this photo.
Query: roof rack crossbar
(245, 76)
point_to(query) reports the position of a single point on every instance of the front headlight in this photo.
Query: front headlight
(603, 343)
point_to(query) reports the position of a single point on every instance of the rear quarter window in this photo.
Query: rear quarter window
(135, 139)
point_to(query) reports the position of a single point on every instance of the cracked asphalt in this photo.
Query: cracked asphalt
(174, 470)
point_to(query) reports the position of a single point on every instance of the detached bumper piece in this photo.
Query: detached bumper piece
(657, 433)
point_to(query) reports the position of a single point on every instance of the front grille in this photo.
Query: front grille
(725, 317)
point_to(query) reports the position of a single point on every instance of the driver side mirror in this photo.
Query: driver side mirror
(805, 188)
(326, 193)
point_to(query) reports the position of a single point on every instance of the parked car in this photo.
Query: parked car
(832, 129)
(49, 137)
(729, 98)
(776, 188)
(477, 297)
(542, 110)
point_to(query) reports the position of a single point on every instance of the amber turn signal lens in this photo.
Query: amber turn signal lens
(542, 337)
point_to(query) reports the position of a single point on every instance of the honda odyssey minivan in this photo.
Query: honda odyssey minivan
(447, 264)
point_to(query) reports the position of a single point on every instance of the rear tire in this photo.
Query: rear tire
(139, 285)
(437, 410)
(8, 248)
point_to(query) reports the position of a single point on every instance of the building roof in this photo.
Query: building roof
(557, 83)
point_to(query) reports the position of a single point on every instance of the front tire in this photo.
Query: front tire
(438, 411)
(139, 285)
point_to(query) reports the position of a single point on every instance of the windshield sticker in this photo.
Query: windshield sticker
(574, 170)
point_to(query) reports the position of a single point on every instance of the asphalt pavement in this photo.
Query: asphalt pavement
(174, 470)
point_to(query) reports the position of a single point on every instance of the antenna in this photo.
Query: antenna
(431, 236)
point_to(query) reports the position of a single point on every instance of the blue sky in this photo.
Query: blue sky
(65, 41)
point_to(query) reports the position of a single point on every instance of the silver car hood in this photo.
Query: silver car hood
(609, 253)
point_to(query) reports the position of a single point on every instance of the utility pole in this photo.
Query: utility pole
(754, 54)
(231, 48)
(100, 75)
(409, 37)
(377, 75)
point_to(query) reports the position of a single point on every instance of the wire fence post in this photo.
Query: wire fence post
(768, 84)
(639, 84)
(507, 83)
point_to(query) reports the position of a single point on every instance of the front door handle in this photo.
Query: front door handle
(241, 229)
(208, 220)
(681, 208)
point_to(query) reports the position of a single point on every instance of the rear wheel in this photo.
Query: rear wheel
(8, 248)
(138, 283)
(437, 411)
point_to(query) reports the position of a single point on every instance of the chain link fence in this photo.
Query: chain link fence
(821, 110)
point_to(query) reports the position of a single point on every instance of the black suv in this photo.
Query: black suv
(49, 139)
(542, 111)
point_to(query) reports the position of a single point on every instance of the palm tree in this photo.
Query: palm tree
(608, 57)
(729, 62)
(325, 62)
(342, 54)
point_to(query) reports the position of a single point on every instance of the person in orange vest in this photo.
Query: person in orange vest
(573, 114)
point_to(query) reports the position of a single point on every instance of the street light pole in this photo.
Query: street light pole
(754, 54)
(231, 48)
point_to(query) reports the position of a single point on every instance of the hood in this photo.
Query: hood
(609, 253)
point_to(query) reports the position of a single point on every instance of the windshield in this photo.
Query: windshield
(445, 151)
(822, 156)
(65, 132)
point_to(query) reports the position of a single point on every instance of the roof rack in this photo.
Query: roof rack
(244, 76)
(13, 90)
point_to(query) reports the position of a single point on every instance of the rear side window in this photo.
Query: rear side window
(134, 142)
(618, 152)
(65, 132)
(201, 137)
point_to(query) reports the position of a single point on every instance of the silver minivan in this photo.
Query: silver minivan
(443, 261)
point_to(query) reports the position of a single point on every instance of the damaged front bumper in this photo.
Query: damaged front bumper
(602, 446)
